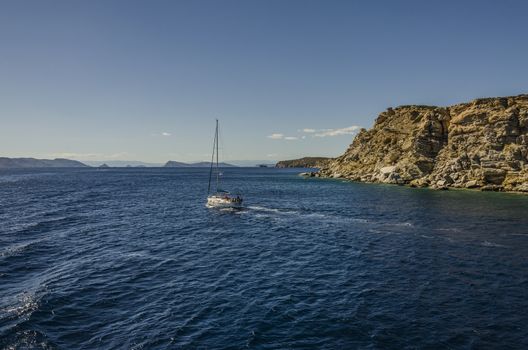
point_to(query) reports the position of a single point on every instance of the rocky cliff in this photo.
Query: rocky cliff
(481, 144)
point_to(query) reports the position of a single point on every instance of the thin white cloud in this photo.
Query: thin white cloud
(166, 133)
(350, 130)
(276, 136)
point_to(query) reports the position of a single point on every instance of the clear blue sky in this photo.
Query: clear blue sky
(144, 80)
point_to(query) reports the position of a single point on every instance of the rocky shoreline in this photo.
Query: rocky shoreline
(482, 145)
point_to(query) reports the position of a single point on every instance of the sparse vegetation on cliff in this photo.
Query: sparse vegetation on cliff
(306, 162)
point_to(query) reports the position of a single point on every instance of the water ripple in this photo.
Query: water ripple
(131, 258)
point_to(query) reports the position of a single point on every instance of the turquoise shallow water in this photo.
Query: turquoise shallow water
(132, 259)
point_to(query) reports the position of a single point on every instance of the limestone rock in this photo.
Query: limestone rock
(480, 144)
(472, 184)
(419, 183)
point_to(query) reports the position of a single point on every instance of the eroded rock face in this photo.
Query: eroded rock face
(481, 144)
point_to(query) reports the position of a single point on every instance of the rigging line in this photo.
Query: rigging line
(222, 146)
(212, 160)
(217, 169)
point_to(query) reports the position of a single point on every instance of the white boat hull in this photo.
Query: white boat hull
(223, 202)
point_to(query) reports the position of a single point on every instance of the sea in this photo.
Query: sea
(131, 258)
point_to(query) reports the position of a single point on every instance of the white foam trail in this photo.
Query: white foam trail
(491, 244)
(274, 210)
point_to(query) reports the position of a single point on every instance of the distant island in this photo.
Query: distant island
(6, 163)
(39, 163)
(481, 144)
(306, 162)
(175, 164)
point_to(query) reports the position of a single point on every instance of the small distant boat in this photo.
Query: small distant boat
(220, 198)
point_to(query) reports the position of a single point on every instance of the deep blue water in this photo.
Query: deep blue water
(132, 259)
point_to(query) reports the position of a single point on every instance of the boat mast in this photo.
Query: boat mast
(217, 168)
(215, 144)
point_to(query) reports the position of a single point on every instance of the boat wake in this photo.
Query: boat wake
(289, 213)
(257, 208)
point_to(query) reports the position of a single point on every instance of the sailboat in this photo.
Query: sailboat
(219, 198)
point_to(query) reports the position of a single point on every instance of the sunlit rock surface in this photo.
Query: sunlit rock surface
(481, 144)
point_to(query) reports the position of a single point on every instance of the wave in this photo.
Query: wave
(402, 224)
(448, 229)
(26, 339)
(36, 225)
(27, 303)
(13, 318)
(19, 248)
(491, 244)
(21, 177)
